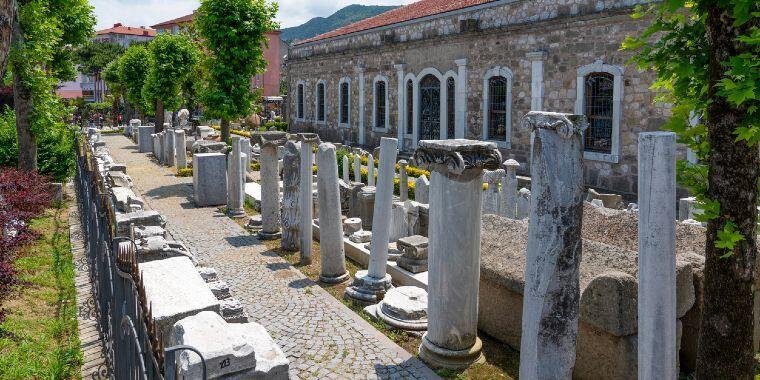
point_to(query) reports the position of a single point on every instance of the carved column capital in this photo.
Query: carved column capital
(564, 124)
(458, 157)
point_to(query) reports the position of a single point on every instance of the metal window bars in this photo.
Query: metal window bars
(598, 108)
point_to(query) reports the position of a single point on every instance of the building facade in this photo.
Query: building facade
(471, 69)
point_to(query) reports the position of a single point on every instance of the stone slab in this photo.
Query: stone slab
(210, 179)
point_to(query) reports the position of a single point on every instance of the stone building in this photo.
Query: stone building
(471, 69)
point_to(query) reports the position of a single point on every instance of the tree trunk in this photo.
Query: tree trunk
(115, 110)
(225, 130)
(27, 143)
(7, 19)
(726, 330)
(159, 116)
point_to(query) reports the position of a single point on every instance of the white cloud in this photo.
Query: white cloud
(151, 12)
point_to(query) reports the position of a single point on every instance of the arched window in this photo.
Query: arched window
(598, 107)
(320, 102)
(497, 108)
(430, 108)
(299, 101)
(409, 107)
(450, 95)
(381, 101)
(344, 108)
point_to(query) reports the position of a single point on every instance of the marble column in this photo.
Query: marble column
(403, 185)
(331, 249)
(249, 154)
(269, 142)
(308, 140)
(370, 286)
(456, 194)
(370, 170)
(552, 290)
(491, 196)
(657, 318)
(180, 149)
(291, 182)
(346, 170)
(235, 184)
(508, 200)
(357, 168)
(168, 147)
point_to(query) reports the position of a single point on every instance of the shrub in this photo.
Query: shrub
(279, 125)
(255, 166)
(186, 172)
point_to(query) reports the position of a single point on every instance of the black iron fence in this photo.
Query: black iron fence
(133, 347)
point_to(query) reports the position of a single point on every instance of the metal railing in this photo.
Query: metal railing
(133, 345)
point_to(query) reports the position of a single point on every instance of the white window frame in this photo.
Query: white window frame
(324, 102)
(375, 128)
(445, 103)
(505, 72)
(340, 103)
(617, 106)
(410, 77)
(302, 94)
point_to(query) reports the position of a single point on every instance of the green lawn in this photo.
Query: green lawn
(38, 339)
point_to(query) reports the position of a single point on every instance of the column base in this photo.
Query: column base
(263, 235)
(366, 290)
(438, 357)
(404, 308)
(240, 213)
(333, 280)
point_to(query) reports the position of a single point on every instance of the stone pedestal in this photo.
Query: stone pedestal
(414, 253)
(373, 284)
(144, 135)
(404, 308)
(354, 210)
(399, 221)
(552, 294)
(370, 170)
(330, 224)
(306, 197)
(352, 225)
(291, 182)
(357, 168)
(422, 189)
(269, 142)
(491, 196)
(209, 179)
(403, 185)
(657, 318)
(180, 149)
(367, 206)
(235, 184)
(454, 251)
(508, 199)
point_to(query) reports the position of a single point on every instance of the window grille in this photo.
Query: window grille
(450, 104)
(598, 109)
(344, 103)
(497, 108)
(300, 101)
(409, 107)
(380, 105)
(321, 102)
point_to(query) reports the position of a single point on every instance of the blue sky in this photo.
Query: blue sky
(150, 12)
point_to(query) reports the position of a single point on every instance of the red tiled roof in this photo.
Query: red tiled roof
(128, 30)
(409, 12)
(177, 21)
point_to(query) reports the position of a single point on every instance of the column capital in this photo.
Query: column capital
(309, 138)
(399, 66)
(494, 176)
(270, 138)
(461, 62)
(403, 163)
(511, 164)
(565, 124)
(457, 157)
(536, 55)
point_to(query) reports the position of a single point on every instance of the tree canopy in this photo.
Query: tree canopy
(174, 57)
(133, 69)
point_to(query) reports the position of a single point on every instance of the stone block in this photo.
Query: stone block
(141, 232)
(361, 237)
(210, 179)
(138, 218)
(239, 351)
(125, 199)
(119, 179)
(233, 311)
(367, 206)
(614, 201)
(220, 289)
(175, 290)
(208, 274)
(145, 142)
(422, 189)
(351, 225)
(414, 247)
(205, 146)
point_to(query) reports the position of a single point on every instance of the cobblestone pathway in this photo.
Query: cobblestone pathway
(91, 341)
(322, 337)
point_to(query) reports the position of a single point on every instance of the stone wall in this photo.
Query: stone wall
(567, 36)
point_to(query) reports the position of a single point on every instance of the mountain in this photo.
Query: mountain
(343, 17)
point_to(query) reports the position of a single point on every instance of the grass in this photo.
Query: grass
(39, 337)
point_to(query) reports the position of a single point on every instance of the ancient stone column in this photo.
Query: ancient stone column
(370, 170)
(306, 195)
(330, 224)
(357, 168)
(657, 350)
(370, 286)
(145, 139)
(235, 184)
(422, 189)
(269, 141)
(552, 290)
(508, 200)
(180, 150)
(367, 206)
(403, 186)
(168, 147)
(456, 194)
(346, 170)
(291, 182)
(491, 196)
(246, 148)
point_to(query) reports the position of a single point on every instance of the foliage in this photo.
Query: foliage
(278, 125)
(186, 172)
(173, 58)
(232, 32)
(342, 17)
(93, 58)
(674, 46)
(112, 76)
(133, 71)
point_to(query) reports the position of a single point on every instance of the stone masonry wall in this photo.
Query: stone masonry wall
(571, 33)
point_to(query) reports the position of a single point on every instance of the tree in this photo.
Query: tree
(43, 33)
(8, 11)
(174, 57)
(93, 58)
(112, 76)
(705, 54)
(133, 70)
(232, 32)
